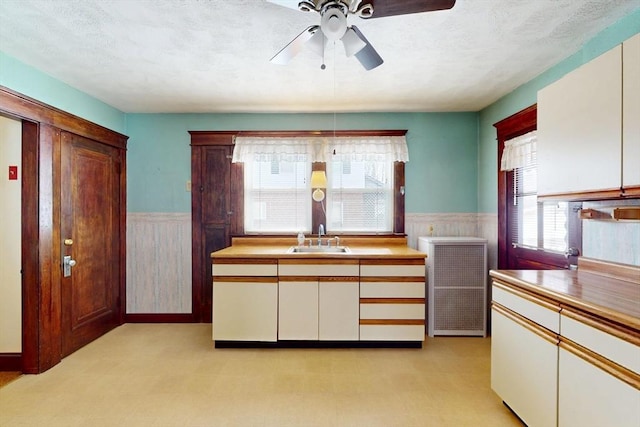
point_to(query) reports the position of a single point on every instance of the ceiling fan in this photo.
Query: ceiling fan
(333, 25)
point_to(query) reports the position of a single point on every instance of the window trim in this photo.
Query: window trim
(318, 216)
(515, 125)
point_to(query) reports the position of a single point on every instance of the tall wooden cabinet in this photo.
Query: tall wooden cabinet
(215, 214)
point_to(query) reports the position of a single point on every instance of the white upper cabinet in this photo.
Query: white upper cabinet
(631, 113)
(579, 129)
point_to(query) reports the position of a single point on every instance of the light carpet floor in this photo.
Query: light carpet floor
(170, 375)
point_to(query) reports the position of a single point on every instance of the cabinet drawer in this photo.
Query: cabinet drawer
(242, 269)
(618, 346)
(537, 310)
(393, 270)
(391, 332)
(392, 289)
(391, 311)
(319, 270)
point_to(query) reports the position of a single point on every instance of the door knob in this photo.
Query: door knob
(67, 263)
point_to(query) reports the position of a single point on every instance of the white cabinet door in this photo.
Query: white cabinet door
(338, 311)
(589, 396)
(245, 311)
(298, 310)
(524, 368)
(631, 112)
(579, 131)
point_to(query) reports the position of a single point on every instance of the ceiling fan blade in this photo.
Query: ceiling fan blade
(382, 8)
(367, 56)
(291, 4)
(295, 46)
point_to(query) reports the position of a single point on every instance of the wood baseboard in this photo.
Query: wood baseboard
(11, 362)
(159, 318)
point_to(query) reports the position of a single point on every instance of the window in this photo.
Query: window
(361, 194)
(534, 224)
(532, 234)
(276, 196)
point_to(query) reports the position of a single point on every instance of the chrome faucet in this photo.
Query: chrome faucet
(320, 233)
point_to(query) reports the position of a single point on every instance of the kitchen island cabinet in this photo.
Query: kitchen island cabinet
(566, 344)
(373, 295)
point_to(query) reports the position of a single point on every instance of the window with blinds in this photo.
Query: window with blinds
(360, 196)
(277, 196)
(534, 224)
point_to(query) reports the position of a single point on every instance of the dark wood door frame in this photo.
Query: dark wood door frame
(41, 248)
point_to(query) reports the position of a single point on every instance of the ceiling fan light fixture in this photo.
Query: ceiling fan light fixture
(352, 43)
(333, 24)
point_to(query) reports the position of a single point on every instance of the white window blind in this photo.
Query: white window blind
(277, 196)
(534, 224)
(359, 196)
(360, 179)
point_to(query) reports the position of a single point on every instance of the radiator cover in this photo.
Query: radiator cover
(456, 285)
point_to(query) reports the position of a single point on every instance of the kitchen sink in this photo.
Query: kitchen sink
(318, 249)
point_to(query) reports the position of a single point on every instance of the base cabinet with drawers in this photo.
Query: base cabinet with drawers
(392, 300)
(318, 299)
(557, 365)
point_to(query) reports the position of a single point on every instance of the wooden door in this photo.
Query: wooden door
(90, 233)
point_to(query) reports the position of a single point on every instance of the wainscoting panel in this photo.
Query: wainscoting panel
(439, 225)
(158, 263)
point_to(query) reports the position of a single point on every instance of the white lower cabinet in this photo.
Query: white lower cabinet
(298, 310)
(589, 396)
(392, 300)
(524, 367)
(245, 311)
(245, 300)
(338, 315)
(318, 300)
(578, 370)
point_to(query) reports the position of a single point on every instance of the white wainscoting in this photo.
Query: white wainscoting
(158, 262)
(159, 253)
(439, 225)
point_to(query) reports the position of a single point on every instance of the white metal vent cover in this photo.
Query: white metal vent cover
(456, 280)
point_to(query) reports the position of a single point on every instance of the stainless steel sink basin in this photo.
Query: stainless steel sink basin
(318, 249)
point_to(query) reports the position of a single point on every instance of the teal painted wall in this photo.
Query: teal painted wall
(27, 80)
(440, 175)
(526, 95)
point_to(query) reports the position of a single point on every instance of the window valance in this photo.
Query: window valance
(321, 149)
(519, 151)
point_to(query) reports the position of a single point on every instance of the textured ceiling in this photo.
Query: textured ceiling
(213, 55)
